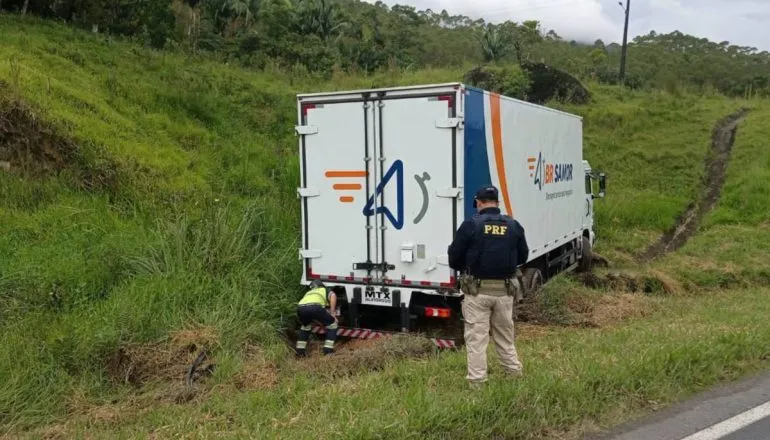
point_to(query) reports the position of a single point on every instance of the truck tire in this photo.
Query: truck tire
(586, 262)
(533, 281)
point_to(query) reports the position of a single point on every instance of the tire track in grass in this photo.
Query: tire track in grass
(723, 139)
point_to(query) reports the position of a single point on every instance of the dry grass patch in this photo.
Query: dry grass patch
(360, 356)
(257, 371)
(612, 309)
(138, 364)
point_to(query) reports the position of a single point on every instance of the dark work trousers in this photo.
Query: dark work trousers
(313, 312)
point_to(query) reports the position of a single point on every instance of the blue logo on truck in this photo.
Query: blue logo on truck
(545, 173)
(397, 169)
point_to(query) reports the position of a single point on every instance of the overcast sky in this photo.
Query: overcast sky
(742, 22)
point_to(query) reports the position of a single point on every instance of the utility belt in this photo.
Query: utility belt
(473, 286)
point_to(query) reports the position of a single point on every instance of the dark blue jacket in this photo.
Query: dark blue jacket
(489, 246)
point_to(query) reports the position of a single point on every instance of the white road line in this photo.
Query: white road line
(733, 424)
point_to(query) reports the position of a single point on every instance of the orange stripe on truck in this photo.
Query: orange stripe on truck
(346, 174)
(347, 186)
(346, 199)
(497, 139)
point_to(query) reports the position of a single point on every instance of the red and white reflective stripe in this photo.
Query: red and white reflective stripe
(362, 333)
(357, 333)
(444, 343)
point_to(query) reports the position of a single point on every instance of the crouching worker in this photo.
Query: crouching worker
(312, 307)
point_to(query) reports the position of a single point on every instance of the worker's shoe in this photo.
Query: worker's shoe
(328, 346)
(300, 353)
(513, 373)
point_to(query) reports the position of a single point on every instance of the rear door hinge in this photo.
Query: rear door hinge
(449, 123)
(310, 253)
(306, 130)
(449, 193)
(308, 192)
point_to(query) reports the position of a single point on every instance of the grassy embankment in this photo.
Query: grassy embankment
(172, 212)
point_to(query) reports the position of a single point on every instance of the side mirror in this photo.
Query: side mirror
(602, 184)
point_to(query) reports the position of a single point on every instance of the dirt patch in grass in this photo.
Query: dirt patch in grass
(34, 147)
(30, 143)
(158, 374)
(360, 356)
(608, 310)
(602, 300)
(139, 364)
(257, 373)
(686, 226)
(652, 282)
(176, 366)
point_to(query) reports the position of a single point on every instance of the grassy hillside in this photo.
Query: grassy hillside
(731, 249)
(150, 205)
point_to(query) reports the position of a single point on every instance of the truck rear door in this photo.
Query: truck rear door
(416, 183)
(336, 139)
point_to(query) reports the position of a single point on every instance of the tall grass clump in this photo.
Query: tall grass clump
(229, 269)
(232, 267)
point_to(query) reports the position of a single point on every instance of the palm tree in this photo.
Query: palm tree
(323, 19)
(494, 44)
(242, 8)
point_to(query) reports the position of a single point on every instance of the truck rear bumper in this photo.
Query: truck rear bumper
(363, 333)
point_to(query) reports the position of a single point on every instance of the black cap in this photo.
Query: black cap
(486, 193)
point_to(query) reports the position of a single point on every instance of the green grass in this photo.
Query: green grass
(652, 148)
(731, 248)
(200, 228)
(574, 380)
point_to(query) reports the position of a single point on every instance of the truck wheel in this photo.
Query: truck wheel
(533, 280)
(586, 263)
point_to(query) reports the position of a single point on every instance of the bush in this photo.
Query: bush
(508, 81)
(549, 84)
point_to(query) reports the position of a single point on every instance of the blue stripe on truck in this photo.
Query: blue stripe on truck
(476, 159)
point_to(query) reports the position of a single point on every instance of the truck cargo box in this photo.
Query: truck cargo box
(388, 175)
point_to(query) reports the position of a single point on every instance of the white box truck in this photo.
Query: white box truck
(388, 175)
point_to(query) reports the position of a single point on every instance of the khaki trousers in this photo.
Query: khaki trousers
(479, 312)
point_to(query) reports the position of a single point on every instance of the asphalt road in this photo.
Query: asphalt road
(757, 431)
(739, 411)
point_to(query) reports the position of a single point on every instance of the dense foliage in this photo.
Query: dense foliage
(323, 35)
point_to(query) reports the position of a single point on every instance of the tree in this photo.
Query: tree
(242, 8)
(494, 44)
(322, 18)
(528, 34)
(352, 34)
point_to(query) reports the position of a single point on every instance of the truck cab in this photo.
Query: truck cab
(595, 189)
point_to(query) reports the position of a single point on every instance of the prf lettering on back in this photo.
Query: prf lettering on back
(495, 230)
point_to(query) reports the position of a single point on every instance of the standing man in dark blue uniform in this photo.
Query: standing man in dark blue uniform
(487, 250)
